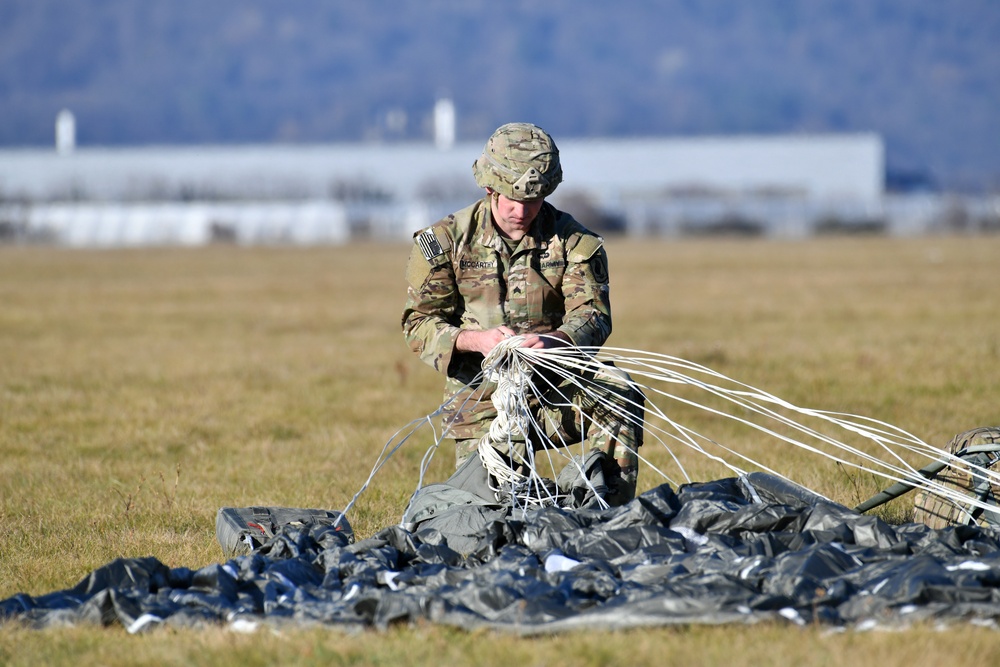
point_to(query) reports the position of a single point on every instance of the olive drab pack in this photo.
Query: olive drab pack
(980, 447)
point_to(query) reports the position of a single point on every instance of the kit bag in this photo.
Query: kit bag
(981, 448)
(242, 530)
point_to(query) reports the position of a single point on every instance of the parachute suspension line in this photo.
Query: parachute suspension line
(512, 375)
(884, 438)
(511, 379)
(392, 446)
(568, 371)
(743, 400)
(645, 368)
(566, 365)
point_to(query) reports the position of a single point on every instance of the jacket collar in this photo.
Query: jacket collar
(536, 239)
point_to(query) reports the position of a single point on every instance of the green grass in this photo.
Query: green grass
(142, 390)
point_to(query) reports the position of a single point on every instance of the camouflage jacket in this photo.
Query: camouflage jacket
(461, 275)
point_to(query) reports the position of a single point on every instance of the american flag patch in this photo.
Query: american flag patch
(429, 244)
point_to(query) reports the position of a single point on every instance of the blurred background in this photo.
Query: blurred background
(252, 121)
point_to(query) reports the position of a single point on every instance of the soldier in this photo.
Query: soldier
(512, 264)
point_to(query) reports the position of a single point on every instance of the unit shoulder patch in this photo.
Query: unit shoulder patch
(599, 266)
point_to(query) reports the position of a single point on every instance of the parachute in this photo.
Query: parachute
(516, 551)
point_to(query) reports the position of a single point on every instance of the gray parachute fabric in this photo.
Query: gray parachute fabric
(730, 550)
(461, 507)
(457, 509)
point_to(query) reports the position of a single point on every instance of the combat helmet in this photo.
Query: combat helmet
(520, 161)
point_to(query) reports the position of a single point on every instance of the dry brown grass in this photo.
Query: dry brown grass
(708, 646)
(142, 390)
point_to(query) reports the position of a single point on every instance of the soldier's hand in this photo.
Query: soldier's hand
(481, 341)
(545, 341)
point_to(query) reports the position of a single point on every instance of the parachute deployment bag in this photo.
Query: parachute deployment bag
(241, 530)
(980, 447)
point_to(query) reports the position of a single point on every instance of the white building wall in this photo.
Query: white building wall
(818, 166)
(296, 194)
(113, 224)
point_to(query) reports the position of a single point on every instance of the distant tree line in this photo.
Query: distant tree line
(922, 73)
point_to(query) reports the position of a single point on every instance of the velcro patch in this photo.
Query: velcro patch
(585, 248)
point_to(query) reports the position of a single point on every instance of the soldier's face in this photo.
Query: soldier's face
(514, 218)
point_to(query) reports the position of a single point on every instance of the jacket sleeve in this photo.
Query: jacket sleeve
(585, 290)
(432, 302)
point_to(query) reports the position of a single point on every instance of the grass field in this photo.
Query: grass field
(142, 390)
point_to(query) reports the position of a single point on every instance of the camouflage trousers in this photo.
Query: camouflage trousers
(606, 410)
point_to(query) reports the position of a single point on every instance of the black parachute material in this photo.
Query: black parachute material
(731, 550)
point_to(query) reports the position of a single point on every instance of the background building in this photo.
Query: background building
(782, 186)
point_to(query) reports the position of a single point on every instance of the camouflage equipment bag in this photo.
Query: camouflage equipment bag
(980, 447)
(242, 530)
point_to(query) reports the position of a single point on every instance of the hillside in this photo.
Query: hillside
(923, 73)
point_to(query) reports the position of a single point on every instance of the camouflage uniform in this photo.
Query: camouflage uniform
(462, 275)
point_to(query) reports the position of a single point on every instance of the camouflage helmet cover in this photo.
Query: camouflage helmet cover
(520, 161)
